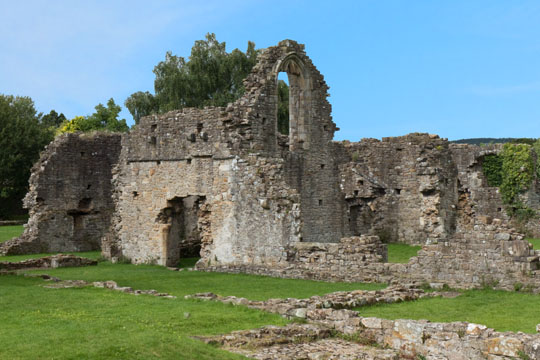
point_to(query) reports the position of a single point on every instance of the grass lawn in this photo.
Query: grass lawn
(182, 283)
(501, 310)
(92, 323)
(401, 253)
(534, 242)
(10, 231)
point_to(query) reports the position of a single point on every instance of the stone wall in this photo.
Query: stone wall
(356, 259)
(47, 262)
(400, 188)
(243, 210)
(308, 151)
(235, 220)
(222, 182)
(490, 255)
(420, 189)
(329, 317)
(258, 191)
(69, 200)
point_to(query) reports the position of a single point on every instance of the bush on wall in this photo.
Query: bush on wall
(517, 171)
(513, 171)
(492, 168)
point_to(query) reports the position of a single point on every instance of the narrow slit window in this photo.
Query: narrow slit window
(283, 103)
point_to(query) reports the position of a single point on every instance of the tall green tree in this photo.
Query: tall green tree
(210, 77)
(52, 119)
(104, 118)
(283, 107)
(22, 137)
(141, 104)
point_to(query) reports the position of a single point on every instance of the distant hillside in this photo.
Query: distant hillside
(478, 141)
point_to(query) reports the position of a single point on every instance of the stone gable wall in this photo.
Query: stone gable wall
(69, 200)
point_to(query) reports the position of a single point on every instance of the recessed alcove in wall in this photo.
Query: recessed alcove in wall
(84, 208)
(182, 238)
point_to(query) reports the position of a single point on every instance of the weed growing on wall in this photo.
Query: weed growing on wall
(513, 171)
(536, 148)
(492, 169)
(517, 172)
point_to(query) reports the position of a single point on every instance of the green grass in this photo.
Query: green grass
(10, 231)
(401, 253)
(534, 242)
(92, 323)
(185, 282)
(503, 311)
(188, 262)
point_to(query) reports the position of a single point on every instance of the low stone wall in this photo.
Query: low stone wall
(492, 254)
(12, 222)
(308, 308)
(296, 341)
(55, 261)
(392, 339)
(356, 258)
(388, 339)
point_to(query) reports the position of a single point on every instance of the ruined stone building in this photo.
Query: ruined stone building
(223, 183)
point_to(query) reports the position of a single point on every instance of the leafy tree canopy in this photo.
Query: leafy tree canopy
(210, 77)
(141, 104)
(53, 119)
(283, 107)
(104, 118)
(23, 134)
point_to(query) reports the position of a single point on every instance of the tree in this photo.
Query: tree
(52, 119)
(105, 118)
(78, 123)
(22, 137)
(141, 104)
(211, 77)
(283, 107)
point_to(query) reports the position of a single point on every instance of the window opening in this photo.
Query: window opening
(283, 103)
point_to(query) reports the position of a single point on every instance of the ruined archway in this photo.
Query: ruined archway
(299, 101)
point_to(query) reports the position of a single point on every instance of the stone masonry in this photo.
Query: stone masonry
(69, 200)
(256, 191)
(402, 189)
(330, 321)
(225, 184)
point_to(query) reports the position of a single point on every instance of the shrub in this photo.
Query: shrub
(517, 171)
(492, 169)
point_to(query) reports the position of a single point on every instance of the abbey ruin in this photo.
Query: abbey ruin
(224, 184)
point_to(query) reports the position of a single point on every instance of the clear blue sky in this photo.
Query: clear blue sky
(459, 69)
